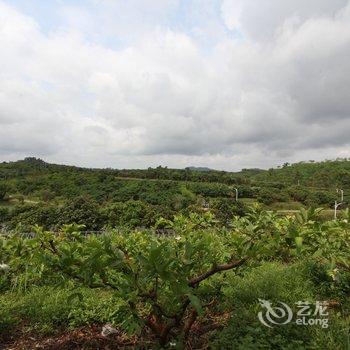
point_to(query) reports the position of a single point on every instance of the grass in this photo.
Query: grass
(286, 206)
(48, 310)
(7, 203)
(277, 282)
(248, 201)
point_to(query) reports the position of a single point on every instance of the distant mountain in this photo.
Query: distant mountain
(198, 168)
(329, 174)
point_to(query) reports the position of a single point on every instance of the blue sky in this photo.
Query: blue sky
(48, 13)
(184, 16)
(228, 84)
(44, 12)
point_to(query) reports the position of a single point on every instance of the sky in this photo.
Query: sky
(227, 84)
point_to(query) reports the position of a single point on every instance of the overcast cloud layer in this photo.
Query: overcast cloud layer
(226, 84)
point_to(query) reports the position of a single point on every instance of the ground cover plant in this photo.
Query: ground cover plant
(198, 286)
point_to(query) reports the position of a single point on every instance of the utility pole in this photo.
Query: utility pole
(336, 204)
(339, 190)
(236, 193)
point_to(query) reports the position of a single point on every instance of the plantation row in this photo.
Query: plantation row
(200, 286)
(309, 184)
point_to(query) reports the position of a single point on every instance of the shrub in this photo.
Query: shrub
(82, 211)
(226, 208)
(4, 214)
(268, 196)
(129, 214)
(275, 282)
(3, 191)
(161, 281)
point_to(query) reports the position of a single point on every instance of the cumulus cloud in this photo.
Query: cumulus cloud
(234, 84)
(261, 21)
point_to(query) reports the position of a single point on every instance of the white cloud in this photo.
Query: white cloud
(269, 96)
(259, 20)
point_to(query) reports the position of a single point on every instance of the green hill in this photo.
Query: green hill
(165, 191)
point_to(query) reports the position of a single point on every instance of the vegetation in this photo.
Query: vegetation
(169, 257)
(3, 191)
(196, 278)
(35, 192)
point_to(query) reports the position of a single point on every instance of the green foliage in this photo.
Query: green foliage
(327, 174)
(169, 191)
(129, 214)
(155, 277)
(4, 214)
(159, 280)
(271, 281)
(27, 215)
(212, 260)
(277, 282)
(50, 309)
(3, 190)
(225, 209)
(81, 210)
(268, 196)
(293, 237)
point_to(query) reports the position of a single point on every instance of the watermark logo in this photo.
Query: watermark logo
(274, 315)
(307, 314)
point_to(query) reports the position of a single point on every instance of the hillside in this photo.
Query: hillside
(327, 174)
(133, 249)
(35, 192)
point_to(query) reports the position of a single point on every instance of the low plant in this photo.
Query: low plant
(164, 283)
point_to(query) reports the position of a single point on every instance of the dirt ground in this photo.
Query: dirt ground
(82, 338)
(90, 338)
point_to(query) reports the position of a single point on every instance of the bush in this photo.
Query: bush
(226, 208)
(3, 191)
(269, 196)
(28, 215)
(318, 198)
(271, 281)
(129, 214)
(4, 214)
(162, 281)
(275, 282)
(167, 285)
(82, 211)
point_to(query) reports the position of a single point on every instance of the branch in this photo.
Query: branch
(217, 268)
(157, 330)
(188, 324)
(77, 277)
(53, 247)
